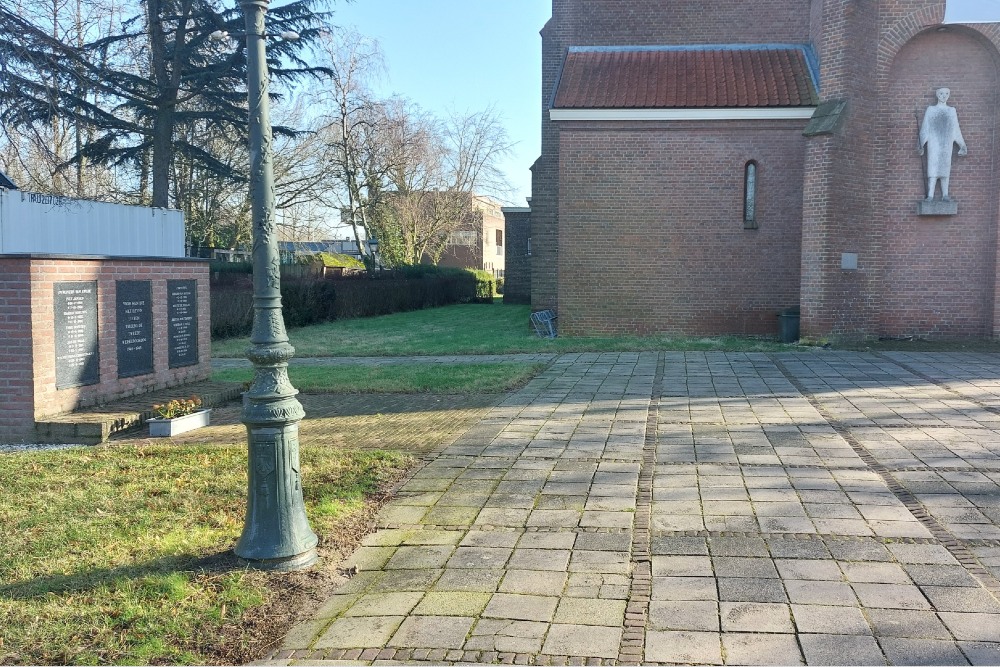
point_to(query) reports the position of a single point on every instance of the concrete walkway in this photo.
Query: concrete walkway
(710, 508)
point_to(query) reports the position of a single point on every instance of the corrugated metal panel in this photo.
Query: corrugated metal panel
(45, 224)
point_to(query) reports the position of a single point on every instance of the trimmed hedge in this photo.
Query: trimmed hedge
(311, 300)
(485, 286)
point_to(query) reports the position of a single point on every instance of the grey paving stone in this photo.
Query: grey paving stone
(533, 582)
(941, 575)
(432, 537)
(797, 549)
(540, 559)
(497, 539)
(744, 648)
(821, 592)
(662, 545)
(473, 581)
(603, 541)
(416, 558)
(858, 550)
(452, 604)
(907, 623)
(395, 581)
(479, 557)
(441, 515)
(685, 588)
(841, 650)
(732, 566)
(384, 604)
(891, 596)
(981, 653)
(922, 554)
(521, 607)
(608, 562)
(951, 598)
(830, 620)
(502, 516)
(359, 632)
(751, 590)
(581, 611)
(755, 617)
(971, 626)
(582, 640)
(684, 615)
(682, 566)
(365, 559)
(547, 540)
(699, 648)
(876, 573)
(507, 636)
(554, 518)
(815, 570)
(747, 547)
(334, 606)
(921, 652)
(434, 632)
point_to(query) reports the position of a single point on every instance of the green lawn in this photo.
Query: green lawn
(468, 329)
(120, 554)
(401, 378)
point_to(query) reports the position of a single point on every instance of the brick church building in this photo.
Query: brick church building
(707, 164)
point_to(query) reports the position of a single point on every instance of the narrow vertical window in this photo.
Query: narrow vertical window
(750, 196)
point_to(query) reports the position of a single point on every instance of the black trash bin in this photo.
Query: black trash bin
(788, 325)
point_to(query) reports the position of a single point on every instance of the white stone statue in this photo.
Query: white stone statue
(938, 133)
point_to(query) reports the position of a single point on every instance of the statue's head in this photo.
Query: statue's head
(943, 94)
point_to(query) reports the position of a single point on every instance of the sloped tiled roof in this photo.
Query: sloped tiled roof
(694, 77)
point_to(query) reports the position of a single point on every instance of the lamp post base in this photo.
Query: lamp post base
(296, 562)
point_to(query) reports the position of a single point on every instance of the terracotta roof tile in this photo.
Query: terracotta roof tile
(691, 77)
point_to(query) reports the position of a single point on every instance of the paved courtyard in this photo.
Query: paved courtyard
(711, 508)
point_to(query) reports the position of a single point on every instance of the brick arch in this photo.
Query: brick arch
(908, 27)
(938, 276)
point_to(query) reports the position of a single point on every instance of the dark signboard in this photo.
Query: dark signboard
(75, 329)
(134, 314)
(182, 319)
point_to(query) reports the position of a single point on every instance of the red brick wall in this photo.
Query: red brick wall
(38, 276)
(630, 22)
(651, 227)
(16, 383)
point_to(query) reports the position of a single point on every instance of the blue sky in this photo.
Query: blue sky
(972, 11)
(465, 55)
(470, 54)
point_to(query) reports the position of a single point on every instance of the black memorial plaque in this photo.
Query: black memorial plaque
(75, 328)
(134, 314)
(182, 315)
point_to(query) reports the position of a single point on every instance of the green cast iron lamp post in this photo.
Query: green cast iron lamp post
(276, 534)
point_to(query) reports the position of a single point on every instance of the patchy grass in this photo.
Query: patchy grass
(470, 329)
(401, 378)
(121, 554)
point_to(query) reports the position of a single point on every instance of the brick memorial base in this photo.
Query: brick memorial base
(82, 331)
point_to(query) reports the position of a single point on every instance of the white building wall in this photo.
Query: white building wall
(32, 223)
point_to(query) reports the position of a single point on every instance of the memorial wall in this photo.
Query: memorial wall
(84, 331)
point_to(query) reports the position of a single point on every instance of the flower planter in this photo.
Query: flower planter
(164, 428)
